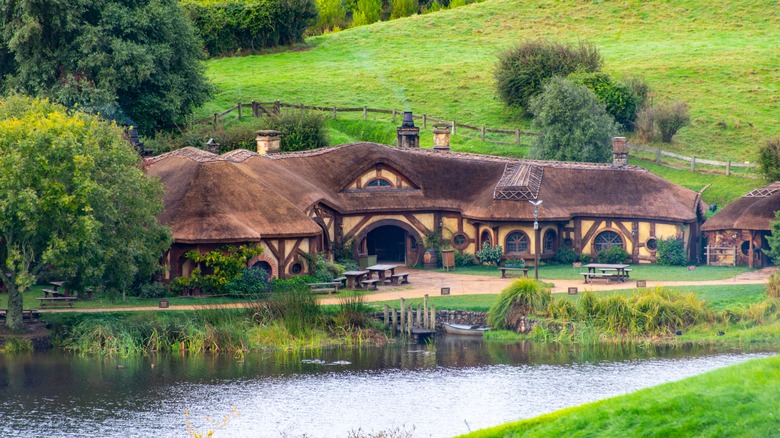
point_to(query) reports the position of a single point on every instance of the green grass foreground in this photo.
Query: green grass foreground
(740, 400)
(721, 60)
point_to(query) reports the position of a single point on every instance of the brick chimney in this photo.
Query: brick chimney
(268, 142)
(441, 137)
(408, 134)
(619, 152)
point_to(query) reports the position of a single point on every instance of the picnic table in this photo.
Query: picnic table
(354, 278)
(609, 271)
(380, 270)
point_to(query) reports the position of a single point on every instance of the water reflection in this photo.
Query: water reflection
(328, 393)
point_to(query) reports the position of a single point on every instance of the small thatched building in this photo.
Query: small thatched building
(388, 199)
(737, 234)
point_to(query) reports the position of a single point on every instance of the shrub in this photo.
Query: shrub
(322, 269)
(366, 12)
(332, 15)
(523, 69)
(514, 263)
(226, 264)
(561, 308)
(773, 286)
(465, 259)
(301, 130)
(572, 123)
(613, 254)
(521, 298)
(769, 159)
(640, 88)
(619, 100)
(669, 118)
(232, 26)
(565, 255)
(151, 290)
(585, 258)
(490, 255)
(671, 252)
(17, 345)
(644, 125)
(403, 8)
(251, 283)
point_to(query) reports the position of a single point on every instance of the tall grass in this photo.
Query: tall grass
(521, 298)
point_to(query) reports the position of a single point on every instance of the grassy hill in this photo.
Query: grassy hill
(721, 59)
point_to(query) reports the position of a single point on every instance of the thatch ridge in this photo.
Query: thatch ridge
(753, 211)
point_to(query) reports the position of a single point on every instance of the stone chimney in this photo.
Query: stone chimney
(408, 134)
(619, 152)
(268, 142)
(441, 137)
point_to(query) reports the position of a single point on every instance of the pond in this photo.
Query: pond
(438, 391)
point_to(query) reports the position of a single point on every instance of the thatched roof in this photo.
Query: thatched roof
(244, 195)
(753, 211)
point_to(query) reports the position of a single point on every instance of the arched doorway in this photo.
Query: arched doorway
(392, 241)
(388, 243)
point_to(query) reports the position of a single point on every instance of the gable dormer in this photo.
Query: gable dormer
(379, 177)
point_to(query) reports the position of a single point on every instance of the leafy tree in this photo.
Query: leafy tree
(573, 124)
(670, 118)
(226, 265)
(523, 70)
(774, 239)
(366, 12)
(620, 101)
(135, 62)
(769, 159)
(403, 8)
(333, 14)
(74, 200)
(301, 130)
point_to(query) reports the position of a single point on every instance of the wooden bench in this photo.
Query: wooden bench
(370, 284)
(400, 278)
(590, 276)
(329, 287)
(342, 280)
(57, 301)
(30, 313)
(52, 293)
(503, 271)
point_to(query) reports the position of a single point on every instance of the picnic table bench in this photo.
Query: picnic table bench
(370, 283)
(504, 269)
(61, 301)
(610, 272)
(399, 278)
(30, 313)
(327, 287)
(52, 293)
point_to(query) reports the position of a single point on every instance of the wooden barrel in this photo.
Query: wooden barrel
(431, 258)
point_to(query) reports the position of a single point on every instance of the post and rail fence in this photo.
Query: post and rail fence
(258, 109)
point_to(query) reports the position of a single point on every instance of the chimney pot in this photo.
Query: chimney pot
(441, 137)
(619, 152)
(408, 135)
(268, 142)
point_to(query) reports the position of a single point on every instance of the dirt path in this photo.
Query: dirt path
(431, 282)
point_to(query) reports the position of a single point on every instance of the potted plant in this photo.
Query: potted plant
(512, 262)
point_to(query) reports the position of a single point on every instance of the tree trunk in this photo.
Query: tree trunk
(13, 319)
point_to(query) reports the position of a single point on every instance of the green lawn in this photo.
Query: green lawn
(721, 60)
(740, 400)
(639, 272)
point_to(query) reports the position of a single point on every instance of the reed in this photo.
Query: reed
(521, 298)
(16, 346)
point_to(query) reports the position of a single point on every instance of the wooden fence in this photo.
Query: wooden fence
(258, 109)
(693, 161)
(409, 320)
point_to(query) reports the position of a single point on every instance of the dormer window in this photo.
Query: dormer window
(378, 183)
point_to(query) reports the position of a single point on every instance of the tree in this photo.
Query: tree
(366, 12)
(621, 102)
(73, 199)
(135, 62)
(769, 159)
(773, 239)
(573, 125)
(523, 69)
(670, 118)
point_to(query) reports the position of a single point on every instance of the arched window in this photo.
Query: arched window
(516, 242)
(378, 183)
(549, 242)
(485, 238)
(607, 239)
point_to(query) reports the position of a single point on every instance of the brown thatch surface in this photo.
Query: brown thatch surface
(244, 196)
(753, 211)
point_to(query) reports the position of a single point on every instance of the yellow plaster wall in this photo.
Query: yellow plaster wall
(426, 219)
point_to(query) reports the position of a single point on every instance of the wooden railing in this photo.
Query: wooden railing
(693, 161)
(275, 108)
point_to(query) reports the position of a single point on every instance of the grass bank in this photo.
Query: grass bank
(720, 60)
(739, 400)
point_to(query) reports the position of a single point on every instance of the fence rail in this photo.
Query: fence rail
(274, 108)
(259, 108)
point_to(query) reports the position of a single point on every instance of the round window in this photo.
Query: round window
(606, 240)
(652, 244)
(460, 241)
(745, 248)
(296, 268)
(568, 243)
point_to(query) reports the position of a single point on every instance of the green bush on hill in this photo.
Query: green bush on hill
(301, 130)
(620, 101)
(769, 159)
(249, 25)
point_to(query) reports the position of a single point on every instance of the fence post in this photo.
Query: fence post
(216, 116)
(239, 110)
(658, 156)
(393, 116)
(254, 109)
(482, 133)
(728, 168)
(334, 113)
(365, 113)
(453, 127)
(425, 121)
(277, 107)
(402, 320)
(693, 164)
(517, 137)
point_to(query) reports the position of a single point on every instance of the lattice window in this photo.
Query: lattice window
(607, 239)
(516, 241)
(378, 183)
(549, 241)
(520, 182)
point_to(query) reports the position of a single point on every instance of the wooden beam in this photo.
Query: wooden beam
(591, 232)
(416, 222)
(358, 226)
